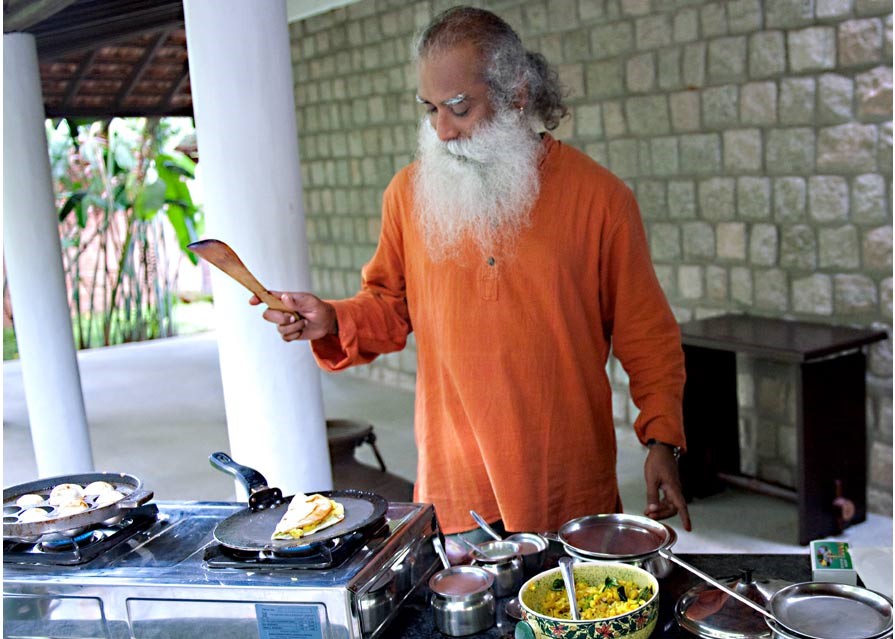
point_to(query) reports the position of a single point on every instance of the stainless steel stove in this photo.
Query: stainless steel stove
(160, 574)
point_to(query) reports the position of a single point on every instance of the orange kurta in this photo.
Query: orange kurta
(513, 411)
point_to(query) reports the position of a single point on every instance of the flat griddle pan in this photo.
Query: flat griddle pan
(250, 530)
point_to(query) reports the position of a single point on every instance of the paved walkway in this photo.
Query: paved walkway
(156, 410)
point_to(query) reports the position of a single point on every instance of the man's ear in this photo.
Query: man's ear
(521, 100)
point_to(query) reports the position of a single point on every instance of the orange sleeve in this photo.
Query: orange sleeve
(645, 335)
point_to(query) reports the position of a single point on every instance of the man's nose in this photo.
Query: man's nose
(445, 127)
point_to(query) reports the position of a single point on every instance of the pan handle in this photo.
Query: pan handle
(251, 478)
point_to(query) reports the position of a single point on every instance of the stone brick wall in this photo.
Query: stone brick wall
(756, 134)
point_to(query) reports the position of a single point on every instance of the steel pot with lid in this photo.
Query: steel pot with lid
(503, 560)
(462, 600)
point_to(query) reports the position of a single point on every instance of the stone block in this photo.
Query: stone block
(872, 7)
(790, 196)
(713, 19)
(854, 294)
(758, 103)
(669, 68)
(717, 199)
(640, 71)
(885, 294)
(790, 151)
(885, 147)
(681, 199)
(813, 295)
(716, 288)
(763, 243)
(786, 14)
(847, 148)
(839, 247)
(798, 248)
(874, 93)
(587, 11)
(742, 150)
(868, 199)
(797, 100)
(576, 46)
(741, 289)
(604, 79)
(588, 120)
(571, 76)
(771, 290)
(653, 31)
(684, 110)
(694, 64)
(614, 120)
(608, 40)
(719, 106)
(699, 240)
(812, 49)
(834, 98)
(727, 59)
(744, 16)
(887, 37)
(701, 153)
(828, 198)
(664, 155)
(876, 249)
(665, 241)
(860, 42)
(690, 281)
(685, 25)
(767, 54)
(832, 8)
(651, 198)
(754, 198)
(731, 241)
(623, 158)
(563, 15)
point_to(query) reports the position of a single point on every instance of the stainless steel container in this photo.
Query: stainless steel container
(503, 560)
(462, 600)
(533, 549)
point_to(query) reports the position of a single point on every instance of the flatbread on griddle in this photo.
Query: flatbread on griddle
(307, 514)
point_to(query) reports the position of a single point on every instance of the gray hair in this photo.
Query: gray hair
(509, 68)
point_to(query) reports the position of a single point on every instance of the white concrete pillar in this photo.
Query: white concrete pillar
(241, 79)
(34, 270)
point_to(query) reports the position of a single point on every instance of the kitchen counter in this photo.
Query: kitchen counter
(415, 621)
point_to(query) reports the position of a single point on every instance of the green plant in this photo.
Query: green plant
(121, 190)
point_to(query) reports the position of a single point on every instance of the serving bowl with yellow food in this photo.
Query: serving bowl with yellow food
(615, 601)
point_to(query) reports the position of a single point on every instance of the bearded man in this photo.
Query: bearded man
(519, 263)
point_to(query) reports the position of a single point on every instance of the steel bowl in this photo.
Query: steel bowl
(636, 624)
(533, 549)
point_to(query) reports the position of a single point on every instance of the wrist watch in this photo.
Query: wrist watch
(675, 450)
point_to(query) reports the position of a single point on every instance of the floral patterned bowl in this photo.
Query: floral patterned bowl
(636, 624)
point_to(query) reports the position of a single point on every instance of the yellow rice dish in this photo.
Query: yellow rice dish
(609, 599)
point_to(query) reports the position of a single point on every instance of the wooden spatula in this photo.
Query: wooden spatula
(226, 259)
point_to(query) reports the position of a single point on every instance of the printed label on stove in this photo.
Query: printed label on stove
(289, 621)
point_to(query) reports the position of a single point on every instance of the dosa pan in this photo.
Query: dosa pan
(250, 530)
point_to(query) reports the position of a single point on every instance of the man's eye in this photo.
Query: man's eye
(460, 114)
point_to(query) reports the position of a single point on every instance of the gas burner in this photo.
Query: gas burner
(72, 543)
(83, 547)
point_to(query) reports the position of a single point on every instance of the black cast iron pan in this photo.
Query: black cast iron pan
(250, 529)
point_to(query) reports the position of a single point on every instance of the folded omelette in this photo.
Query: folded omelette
(307, 514)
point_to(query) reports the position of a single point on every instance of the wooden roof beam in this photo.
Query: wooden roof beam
(74, 82)
(127, 86)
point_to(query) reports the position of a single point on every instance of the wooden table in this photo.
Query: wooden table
(831, 437)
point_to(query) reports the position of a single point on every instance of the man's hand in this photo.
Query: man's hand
(319, 318)
(664, 497)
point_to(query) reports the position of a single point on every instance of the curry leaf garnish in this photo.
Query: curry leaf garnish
(557, 585)
(622, 595)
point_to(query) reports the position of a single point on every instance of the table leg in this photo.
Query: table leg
(710, 420)
(832, 440)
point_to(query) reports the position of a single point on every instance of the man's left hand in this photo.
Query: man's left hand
(664, 497)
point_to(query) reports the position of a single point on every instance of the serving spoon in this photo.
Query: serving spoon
(566, 567)
(484, 525)
(226, 259)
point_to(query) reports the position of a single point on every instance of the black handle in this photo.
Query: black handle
(251, 478)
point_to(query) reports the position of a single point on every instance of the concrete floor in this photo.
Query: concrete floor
(140, 398)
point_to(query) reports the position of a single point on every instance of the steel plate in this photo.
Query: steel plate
(250, 530)
(614, 536)
(820, 610)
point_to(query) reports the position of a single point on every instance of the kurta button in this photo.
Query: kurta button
(490, 261)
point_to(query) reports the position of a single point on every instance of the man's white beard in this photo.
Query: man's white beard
(481, 187)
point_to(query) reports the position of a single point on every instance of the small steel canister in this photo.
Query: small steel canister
(462, 600)
(503, 560)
